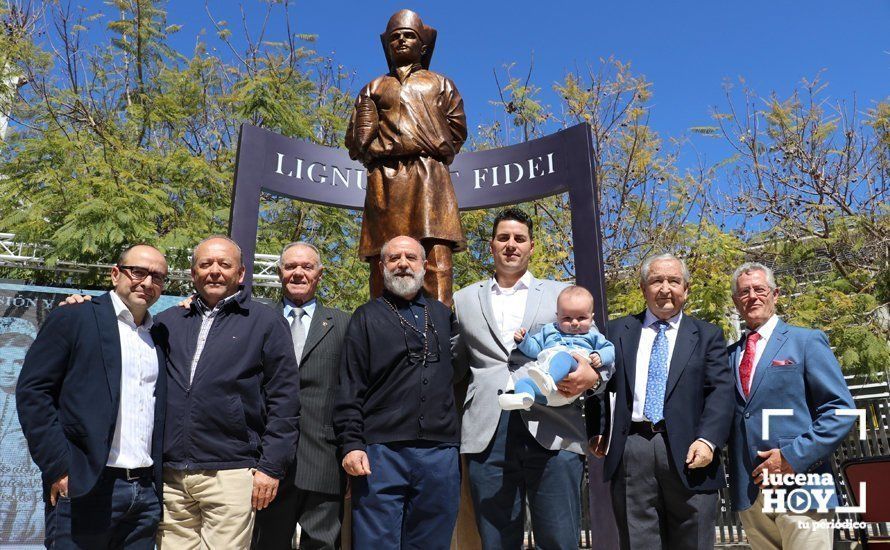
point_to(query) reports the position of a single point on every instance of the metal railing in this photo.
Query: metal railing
(872, 395)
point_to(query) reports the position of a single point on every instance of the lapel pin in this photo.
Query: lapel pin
(324, 323)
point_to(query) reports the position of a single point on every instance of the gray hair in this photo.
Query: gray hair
(224, 238)
(647, 263)
(296, 244)
(748, 267)
(385, 247)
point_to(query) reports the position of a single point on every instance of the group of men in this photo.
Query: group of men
(678, 395)
(179, 430)
(186, 429)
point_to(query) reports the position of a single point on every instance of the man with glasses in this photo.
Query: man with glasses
(781, 366)
(233, 405)
(90, 399)
(394, 414)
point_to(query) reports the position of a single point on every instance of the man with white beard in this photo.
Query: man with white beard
(394, 414)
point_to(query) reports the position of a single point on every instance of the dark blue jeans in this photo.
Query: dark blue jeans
(116, 514)
(410, 500)
(515, 467)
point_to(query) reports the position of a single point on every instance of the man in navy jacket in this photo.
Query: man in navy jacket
(90, 399)
(672, 413)
(232, 408)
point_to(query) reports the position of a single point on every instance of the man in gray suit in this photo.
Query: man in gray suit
(512, 455)
(311, 493)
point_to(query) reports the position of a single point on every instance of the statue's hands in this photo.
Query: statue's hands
(374, 151)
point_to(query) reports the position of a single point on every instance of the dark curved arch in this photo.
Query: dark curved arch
(558, 163)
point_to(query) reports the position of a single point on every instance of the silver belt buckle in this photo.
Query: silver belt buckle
(133, 476)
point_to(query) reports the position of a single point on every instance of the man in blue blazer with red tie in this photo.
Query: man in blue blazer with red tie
(792, 371)
(91, 399)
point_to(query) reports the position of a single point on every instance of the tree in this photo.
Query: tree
(129, 141)
(809, 180)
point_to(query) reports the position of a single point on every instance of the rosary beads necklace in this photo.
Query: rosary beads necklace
(410, 325)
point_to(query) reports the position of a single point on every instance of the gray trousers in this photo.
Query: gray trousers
(653, 508)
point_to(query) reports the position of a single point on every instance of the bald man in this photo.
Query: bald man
(90, 400)
(394, 414)
(232, 408)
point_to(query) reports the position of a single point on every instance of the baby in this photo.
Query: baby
(552, 347)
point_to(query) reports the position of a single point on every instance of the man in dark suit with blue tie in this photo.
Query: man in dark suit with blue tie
(786, 369)
(672, 390)
(90, 399)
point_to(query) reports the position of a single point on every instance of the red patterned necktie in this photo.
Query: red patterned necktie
(748, 362)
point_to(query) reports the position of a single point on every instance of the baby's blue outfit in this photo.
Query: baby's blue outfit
(563, 363)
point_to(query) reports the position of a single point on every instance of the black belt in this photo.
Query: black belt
(130, 474)
(647, 428)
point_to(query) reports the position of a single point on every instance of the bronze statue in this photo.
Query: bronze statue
(406, 128)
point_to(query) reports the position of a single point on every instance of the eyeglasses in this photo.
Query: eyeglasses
(137, 274)
(759, 291)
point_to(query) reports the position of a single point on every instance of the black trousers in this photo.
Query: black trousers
(319, 515)
(652, 507)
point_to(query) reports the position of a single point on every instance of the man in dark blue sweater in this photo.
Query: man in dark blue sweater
(232, 406)
(394, 414)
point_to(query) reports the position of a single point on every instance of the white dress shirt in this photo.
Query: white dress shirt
(305, 319)
(765, 331)
(508, 305)
(131, 445)
(644, 352)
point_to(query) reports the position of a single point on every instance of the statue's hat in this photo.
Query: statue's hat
(407, 19)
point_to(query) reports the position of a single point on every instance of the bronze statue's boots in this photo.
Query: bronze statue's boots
(375, 281)
(439, 273)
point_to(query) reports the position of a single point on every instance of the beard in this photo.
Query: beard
(401, 286)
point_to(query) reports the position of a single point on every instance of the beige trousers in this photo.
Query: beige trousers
(207, 509)
(788, 531)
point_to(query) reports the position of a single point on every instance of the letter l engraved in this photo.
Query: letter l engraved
(280, 162)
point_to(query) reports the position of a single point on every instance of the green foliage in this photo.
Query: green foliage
(132, 141)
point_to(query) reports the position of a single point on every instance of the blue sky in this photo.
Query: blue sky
(686, 49)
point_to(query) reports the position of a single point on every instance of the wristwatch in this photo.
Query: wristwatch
(598, 380)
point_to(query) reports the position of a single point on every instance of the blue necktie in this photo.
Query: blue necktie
(656, 382)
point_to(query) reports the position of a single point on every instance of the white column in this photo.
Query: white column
(8, 86)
